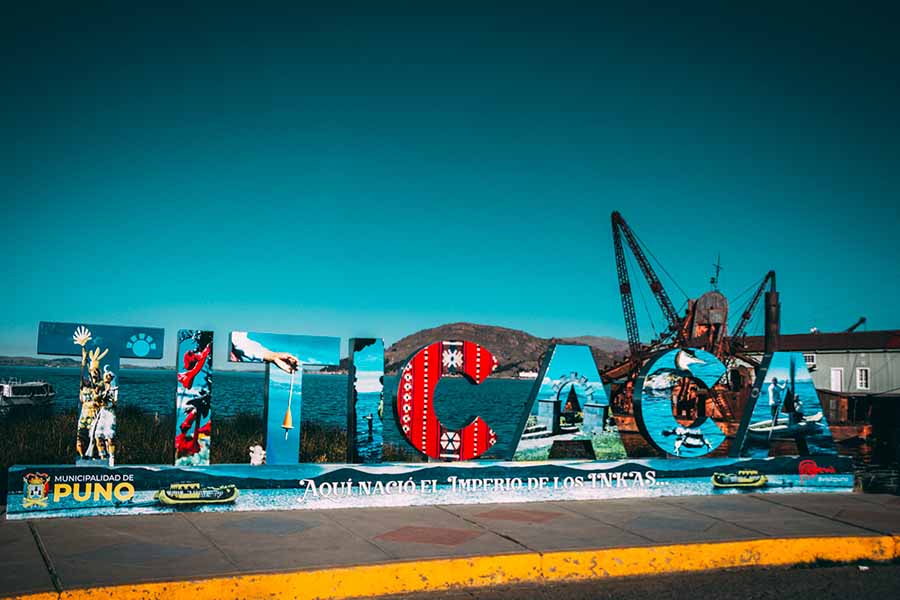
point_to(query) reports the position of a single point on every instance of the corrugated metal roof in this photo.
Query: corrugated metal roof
(811, 342)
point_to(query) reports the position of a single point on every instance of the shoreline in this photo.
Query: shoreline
(258, 370)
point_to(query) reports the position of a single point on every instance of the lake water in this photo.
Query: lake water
(500, 402)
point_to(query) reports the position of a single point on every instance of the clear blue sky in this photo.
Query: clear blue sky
(377, 169)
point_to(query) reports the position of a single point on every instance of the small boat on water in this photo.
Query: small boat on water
(783, 428)
(748, 478)
(192, 493)
(15, 394)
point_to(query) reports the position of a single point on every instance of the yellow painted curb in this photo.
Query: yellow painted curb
(480, 571)
(654, 560)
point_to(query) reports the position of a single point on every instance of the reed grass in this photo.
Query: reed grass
(148, 439)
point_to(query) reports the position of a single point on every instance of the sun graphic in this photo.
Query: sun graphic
(141, 344)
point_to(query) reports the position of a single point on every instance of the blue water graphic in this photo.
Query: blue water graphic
(293, 499)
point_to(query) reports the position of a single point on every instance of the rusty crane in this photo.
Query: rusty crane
(703, 324)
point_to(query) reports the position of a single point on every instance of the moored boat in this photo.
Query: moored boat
(193, 493)
(15, 394)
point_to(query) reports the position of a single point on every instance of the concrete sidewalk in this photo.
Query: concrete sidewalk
(393, 550)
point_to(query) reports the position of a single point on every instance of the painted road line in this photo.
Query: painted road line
(479, 571)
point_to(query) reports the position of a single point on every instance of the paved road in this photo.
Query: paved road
(826, 583)
(46, 555)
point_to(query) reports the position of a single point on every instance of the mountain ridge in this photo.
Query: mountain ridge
(515, 350)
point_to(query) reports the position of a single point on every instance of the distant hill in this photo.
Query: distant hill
(607, 344)
(515, 350)
(27, 361)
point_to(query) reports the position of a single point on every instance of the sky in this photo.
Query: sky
(371, 170)
(570, 359)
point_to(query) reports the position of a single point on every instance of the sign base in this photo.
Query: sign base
(74, 491)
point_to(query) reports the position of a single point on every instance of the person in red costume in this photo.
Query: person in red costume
(187, 443)
(193, 364)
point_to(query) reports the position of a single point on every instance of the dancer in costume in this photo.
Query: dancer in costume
(105, 423)
(85, 418)
(89, 392)
(193, 433)
(193, 363)
(187, 443)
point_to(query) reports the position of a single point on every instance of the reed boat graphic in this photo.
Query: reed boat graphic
(747, 478)
(192, 493)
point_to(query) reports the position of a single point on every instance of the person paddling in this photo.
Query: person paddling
(775, 400)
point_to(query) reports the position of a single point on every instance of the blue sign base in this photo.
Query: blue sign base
(74, 491)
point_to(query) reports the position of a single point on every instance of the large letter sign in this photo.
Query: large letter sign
(415, 400)
(563, 443)
(100, 348)
(784, 409)
(193, 397)
(678, 382)
(284, 384)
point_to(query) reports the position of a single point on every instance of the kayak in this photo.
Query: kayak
(193, 493)
(784, 428)
(741, 479)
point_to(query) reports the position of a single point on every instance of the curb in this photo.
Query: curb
(479, 571)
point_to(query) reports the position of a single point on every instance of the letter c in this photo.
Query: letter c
(415, 399)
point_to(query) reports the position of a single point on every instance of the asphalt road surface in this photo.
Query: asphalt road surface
(812, 583)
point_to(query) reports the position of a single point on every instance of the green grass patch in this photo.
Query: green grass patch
(608, 446)
(148, 439)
